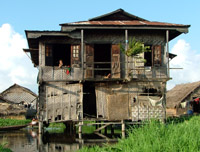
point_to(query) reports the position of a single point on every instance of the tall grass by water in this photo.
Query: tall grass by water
(174, 136)
(13, 122)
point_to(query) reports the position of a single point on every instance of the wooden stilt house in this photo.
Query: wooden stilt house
(97, 81)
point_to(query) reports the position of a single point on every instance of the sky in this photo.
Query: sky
(20, 15)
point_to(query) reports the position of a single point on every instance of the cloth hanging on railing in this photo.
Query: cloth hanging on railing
(156, 102)
(68, 70)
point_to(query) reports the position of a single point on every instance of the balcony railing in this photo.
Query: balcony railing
(49, 73)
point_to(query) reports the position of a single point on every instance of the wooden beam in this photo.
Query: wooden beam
(82, 53)
(102, 127)
(126, 58)
(167, 43)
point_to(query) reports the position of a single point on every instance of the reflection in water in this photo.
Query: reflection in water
(28, 140)
(20, 141)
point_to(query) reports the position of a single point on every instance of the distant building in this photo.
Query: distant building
(11, 110)
(20, 95)
(182, 98)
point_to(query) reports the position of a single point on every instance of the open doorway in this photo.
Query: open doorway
(148, 57)
(89, 100)
(102, 59)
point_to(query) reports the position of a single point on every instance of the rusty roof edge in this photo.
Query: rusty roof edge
(181, 29)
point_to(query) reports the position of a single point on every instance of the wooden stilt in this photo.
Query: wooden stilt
(112, 130)
(123, 129)
(105, 130)
(80, 130)
(40, 127)
(100, 127)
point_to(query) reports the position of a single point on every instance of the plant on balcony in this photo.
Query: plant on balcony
(134, 48)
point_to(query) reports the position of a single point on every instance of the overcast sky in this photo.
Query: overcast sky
(17, 16)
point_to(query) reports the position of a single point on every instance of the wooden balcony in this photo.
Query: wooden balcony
(49, 73)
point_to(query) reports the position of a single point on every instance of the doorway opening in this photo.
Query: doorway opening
(89, 100)
(102, 60)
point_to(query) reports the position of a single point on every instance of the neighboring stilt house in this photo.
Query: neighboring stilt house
(83, 75)
(23, 96)
(11, 110)
(183, 99)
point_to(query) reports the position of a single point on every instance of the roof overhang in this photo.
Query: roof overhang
(173, 31)
(33, 38)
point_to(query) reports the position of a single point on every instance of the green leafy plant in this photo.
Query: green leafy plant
(134, 48)
(3, 146)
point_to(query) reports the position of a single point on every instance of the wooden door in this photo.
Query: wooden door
(156, 54)
(115, 61)
(89, 71)
(48, 55)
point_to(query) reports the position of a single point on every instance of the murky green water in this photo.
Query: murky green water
(28, 140)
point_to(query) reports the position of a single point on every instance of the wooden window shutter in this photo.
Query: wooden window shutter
(115, 59)
(156, 54)
(75, 55)
(89, 71)
(48, 55)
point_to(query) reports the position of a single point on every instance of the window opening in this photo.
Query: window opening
(56, 52)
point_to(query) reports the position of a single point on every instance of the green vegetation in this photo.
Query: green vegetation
(57, 125)
(56, 128)
(91, 128)
(174, 136)
(13, 122)
(3, 149)
(134, 48)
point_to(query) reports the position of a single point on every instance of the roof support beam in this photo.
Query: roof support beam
(167, 42)
(126, 58)
(82, 53)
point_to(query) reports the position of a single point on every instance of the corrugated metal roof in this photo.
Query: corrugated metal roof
(123, 23)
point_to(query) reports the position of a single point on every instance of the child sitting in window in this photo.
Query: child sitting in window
(60, 64)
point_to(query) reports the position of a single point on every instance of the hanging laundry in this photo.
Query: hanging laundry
(197, 100)
(156, 102)
(183, 104)
(68, 70)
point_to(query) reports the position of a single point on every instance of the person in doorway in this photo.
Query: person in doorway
(60, 64)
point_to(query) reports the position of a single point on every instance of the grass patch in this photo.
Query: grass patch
(3, 148)
(158, 137)
(13, 122)
(56, 128)
(91, 128)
